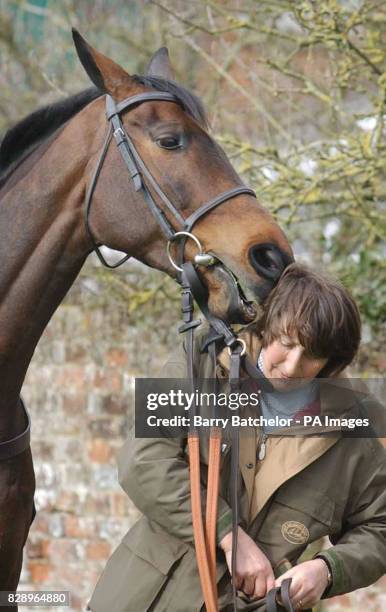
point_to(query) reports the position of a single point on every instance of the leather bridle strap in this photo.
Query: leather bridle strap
(281, 592)
(234, 380)
(200, 295)
(285, 595)
(206, 553)
(206, 559)
(220, 199)
(204, 570)
(205, 566)
(212, 501)
(88, 200)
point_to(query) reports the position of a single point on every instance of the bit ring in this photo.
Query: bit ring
(172, 239)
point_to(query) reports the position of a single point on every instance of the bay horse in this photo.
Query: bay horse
(47, 163)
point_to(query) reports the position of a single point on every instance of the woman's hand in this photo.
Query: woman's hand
(254, 574)
(309, 581)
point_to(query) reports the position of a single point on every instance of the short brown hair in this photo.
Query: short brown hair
(319, 310)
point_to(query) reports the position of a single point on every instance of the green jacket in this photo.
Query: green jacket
(305, 488)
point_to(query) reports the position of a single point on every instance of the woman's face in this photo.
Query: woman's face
(287, 363)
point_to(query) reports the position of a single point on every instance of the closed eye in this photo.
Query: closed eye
(170, 142)
(287, 343)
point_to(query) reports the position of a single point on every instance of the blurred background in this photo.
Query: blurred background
(295, 93)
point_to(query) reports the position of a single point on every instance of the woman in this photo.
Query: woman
(293, 490)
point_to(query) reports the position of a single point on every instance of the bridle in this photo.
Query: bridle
(192, 287)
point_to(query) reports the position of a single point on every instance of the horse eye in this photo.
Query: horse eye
(169, 142)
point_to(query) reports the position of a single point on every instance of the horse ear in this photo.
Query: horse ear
(160, 66)
(103, 72)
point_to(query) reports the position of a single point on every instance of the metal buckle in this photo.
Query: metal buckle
(243, 344)
(119, 135)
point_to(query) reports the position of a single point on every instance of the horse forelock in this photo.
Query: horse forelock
(191, 104)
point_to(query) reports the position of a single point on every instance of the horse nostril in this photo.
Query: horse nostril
(268, 260)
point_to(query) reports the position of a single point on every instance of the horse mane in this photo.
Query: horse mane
(21, 139)
(24, 137)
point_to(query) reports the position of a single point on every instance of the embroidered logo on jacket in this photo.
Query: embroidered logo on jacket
(294, 532)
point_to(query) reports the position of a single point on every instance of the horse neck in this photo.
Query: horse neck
(43, 246)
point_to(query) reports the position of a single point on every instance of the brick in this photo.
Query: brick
(112, 530)
(79, 527)
(65, 551)
(67, 501)
(74, 403)
(109, 380)
(97, 504)
(36, 548)
(58, 351)
(116, 357)
(99, 451)
(55, 525)
(40, 523)
(39, 572)
(119, 504)
(76, 352)
(104, 477)
(43, 450)
(71, 375)
(45, 474)
(98, 550)
(343, 601)
(114, 404)
(94, 404)
(103, 427)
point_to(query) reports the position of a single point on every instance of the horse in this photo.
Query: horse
(64, 191)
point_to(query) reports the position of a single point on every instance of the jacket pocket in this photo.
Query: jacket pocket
(310, 502)
(152, 544)
(296, 517)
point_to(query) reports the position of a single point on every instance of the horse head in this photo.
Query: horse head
(182, 160)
